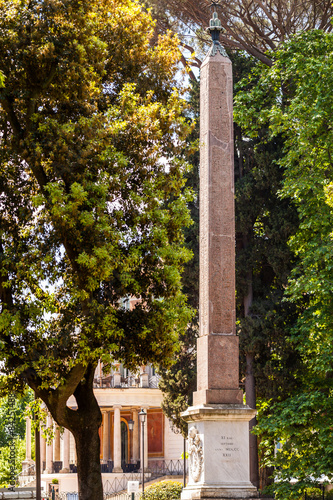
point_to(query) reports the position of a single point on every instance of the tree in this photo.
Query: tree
(263, 262)
(92, 203)
(253, 26)
(294, 100)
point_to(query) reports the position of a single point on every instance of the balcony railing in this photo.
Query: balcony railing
(129, 382)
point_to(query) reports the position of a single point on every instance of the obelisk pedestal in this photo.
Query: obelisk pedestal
(218, 421)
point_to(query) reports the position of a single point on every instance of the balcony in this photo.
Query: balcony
(115, 381)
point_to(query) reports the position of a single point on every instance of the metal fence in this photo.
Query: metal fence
(123, 496)
(116, 488)
(159, 468)
(119, 484)
(67, 495)
(73, 495)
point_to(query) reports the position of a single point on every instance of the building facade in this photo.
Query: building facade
(121, 395)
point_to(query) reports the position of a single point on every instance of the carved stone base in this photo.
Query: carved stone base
(219, 462)
(208, 493)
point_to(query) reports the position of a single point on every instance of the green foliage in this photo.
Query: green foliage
(293, 100)
(97, 217)
(19, 410)
(93, 196)
(5, 475)
(264, 223)
(316, 493)
(165, 490)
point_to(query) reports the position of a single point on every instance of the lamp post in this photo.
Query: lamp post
(142, 417)
(131, 424)
(37, 456)
(184, 472)
(131, 427)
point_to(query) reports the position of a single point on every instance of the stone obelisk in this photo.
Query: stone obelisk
(218, 441)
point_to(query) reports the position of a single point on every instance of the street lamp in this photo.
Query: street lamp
(184, 471)
(142, 417)
(131, 424)
(37, 457)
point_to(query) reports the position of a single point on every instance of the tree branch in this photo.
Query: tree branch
(56, 399)
(7, 104)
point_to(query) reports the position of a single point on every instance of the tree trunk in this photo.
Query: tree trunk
(83, 422)
(87, 420)
(87, 444)
(250, 390)
(266, 477)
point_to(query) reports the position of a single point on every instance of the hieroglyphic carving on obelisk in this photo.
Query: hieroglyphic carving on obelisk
(218, 376)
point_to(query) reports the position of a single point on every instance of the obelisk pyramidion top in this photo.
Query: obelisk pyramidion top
(215, 29)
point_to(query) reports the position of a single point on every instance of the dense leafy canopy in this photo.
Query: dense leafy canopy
(92, 197)
(87, 216)
(294, 100)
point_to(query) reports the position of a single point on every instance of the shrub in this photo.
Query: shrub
(164, 490)
(316, 493)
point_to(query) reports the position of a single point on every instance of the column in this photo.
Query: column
(28, 439)
(145, 408)
(106, 439)
(42, 449)
(136, 438)
(72, 449)
(49, 448)
(65, 453)
(27, 463)
(144, 377)
(117, 440)
(99, 371)
(56, 444)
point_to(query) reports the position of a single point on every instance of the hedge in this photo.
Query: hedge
(164, 490)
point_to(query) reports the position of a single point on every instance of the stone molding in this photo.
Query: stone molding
(219, 412)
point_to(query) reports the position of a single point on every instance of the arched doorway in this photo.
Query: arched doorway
(124, 443)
